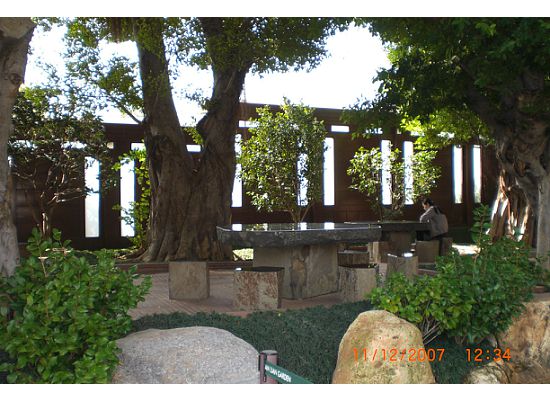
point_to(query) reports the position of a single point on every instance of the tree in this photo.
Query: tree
(53, 142)
(366, 170)
(494, 68)
(190, 197)
(15, 36)
(283, 157)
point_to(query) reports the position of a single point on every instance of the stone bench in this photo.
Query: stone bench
(353, 257)
(356, 281)
(427, 251)
(407, 265)
(258, 288)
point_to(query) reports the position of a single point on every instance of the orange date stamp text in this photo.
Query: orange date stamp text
(398, 355)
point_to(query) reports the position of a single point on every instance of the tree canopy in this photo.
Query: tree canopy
(190, 196)
(54, 138)
(450, 74)
(483, 77)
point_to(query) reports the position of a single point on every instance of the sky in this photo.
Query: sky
(343, 77)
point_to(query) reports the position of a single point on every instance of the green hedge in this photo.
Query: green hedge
(307, 340)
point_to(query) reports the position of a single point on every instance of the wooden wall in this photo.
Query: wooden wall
(349, 204)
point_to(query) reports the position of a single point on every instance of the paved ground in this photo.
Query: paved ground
(221, 295)
(220, 300)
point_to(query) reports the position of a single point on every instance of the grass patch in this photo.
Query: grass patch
(307, 340)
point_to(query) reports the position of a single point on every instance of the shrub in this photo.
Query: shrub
(430, 303)
(61, 315)
(472, 296)
(367, 169)
(282, 162)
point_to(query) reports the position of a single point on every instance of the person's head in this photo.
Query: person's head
(427, 203)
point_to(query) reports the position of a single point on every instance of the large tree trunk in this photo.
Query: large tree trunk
(15, 36)
(522, 144)
(512, 215)
(523, 151)
(189, 198)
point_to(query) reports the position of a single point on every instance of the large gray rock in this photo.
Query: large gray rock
(186, 355)
(370, 351)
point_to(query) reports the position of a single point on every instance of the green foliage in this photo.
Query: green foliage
(433, 304)
(456, 74)
(366, 168)
(60, 316)
(138, 214)
(472, 296)
(55, 137)
(285, 150)
(306, 340)
(261, 44)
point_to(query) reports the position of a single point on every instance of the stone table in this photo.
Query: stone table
(398, 234)
(307, 251)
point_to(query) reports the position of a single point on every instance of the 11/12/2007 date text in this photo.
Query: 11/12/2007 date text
(396, 355)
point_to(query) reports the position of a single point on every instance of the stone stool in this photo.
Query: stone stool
(188, 280)
(258, 288)
(353, 257)
(427, 251)
(356, 282)
(406, 264)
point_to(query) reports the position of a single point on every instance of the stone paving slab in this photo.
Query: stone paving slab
(220, 300)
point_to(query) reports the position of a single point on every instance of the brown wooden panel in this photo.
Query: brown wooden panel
(349, 204)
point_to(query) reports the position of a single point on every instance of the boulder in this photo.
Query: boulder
(374, 334)
(528, 339)
(491, 373)
(186, 355)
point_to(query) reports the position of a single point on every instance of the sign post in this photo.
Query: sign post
(270, 372)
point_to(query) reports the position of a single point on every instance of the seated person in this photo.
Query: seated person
(437, 220)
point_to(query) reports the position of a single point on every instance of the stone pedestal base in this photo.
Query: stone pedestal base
(406, 265)
(427, 251)
(356, 282)
(379, 251)
(188, 280)
(399, 242)
(310, 270)
(258, 288)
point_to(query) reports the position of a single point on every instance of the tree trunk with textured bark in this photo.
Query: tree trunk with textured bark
(15, 36)
(512, 215)
(189, 198)
(522, 145)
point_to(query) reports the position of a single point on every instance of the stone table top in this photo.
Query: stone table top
(285, 235)
(397, 226)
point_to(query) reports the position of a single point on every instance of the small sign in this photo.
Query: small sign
(282, 375)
